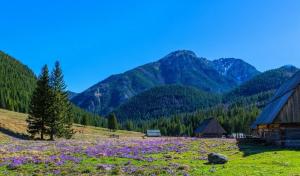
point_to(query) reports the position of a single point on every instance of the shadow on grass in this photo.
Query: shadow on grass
(14, 134)
(253, 148)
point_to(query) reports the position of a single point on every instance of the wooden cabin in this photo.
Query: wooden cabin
(153, 133)
(279, 122)
(210, 128)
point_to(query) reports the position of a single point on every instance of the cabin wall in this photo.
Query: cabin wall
(287, 135)
(271, 135)
(292, 137)
(291, 111)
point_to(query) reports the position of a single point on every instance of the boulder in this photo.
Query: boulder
(216, 158)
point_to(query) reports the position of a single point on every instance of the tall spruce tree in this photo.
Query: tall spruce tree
(112, 122)
(61, 116)
(39, 106)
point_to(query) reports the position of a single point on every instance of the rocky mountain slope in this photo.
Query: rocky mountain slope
(180, 67)
(235, 69)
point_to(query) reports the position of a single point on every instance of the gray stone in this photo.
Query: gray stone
(216, 158)
(105, 167)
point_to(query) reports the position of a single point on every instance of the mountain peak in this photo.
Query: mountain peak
(288, 67)
(230, 59)
(181, 53)
(181, 67)
(237, 69)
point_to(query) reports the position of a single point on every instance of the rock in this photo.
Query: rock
(105, 167)
(216, 158)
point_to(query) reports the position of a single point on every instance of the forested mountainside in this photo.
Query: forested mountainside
(166, 101)
(238, 110)
(17, 83)
(180, 67)
(233, 118)
(259, 89)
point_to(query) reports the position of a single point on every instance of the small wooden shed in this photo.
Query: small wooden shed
(210, 128)
(279, 122)
(153, 133)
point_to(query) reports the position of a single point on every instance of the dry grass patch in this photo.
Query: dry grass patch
(16, 122)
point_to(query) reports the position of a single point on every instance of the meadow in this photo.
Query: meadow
(93, 152)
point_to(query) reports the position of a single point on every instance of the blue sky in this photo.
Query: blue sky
(94, 39)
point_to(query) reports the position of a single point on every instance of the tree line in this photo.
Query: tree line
(234, 119)
(50, 111)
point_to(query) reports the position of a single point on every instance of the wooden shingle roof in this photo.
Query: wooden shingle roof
(211, 126)
(282, 95)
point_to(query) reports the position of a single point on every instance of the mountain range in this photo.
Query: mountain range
(179, 82)
(181, 67)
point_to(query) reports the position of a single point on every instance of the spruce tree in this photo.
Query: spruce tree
(61, 116)
(39, 106)
(112, 122)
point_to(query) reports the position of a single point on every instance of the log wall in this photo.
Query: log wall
(290, 113)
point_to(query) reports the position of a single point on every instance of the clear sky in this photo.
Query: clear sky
(94, 39)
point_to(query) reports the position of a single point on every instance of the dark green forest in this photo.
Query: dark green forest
(233, 119)
(17, 83)
(259, 89)
(83, 117)
(166, 101)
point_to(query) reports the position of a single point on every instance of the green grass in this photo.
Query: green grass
(244, 160)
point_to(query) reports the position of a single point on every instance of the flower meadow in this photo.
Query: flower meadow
(69, 156)
(142, 156)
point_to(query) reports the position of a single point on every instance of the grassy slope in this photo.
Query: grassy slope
(16, 123)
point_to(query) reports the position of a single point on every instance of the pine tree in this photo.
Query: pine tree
(61, 116)
(112, 122)
(39, 106)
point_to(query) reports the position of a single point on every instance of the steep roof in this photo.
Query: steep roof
(278, 101)
(210, 125)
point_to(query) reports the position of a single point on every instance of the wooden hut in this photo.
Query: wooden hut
(279, 122)
(153, 133)
(210, 128)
